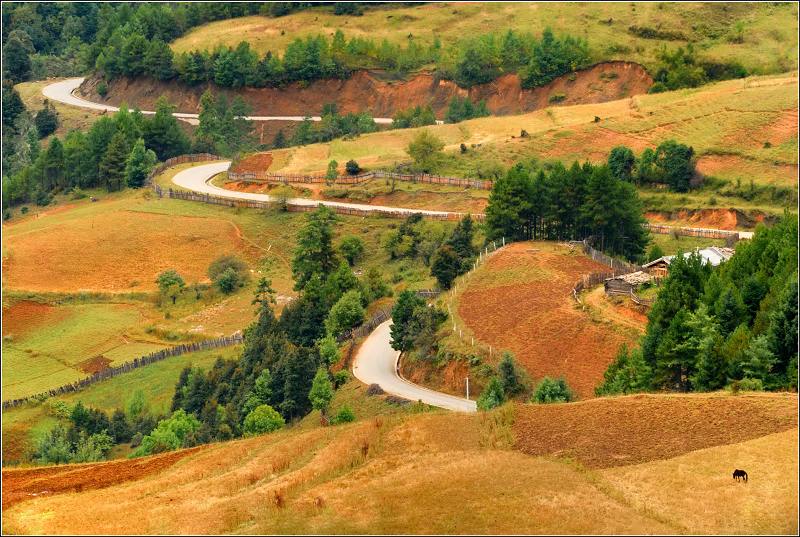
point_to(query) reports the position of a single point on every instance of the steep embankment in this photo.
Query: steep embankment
(366, 92)
(448, 473)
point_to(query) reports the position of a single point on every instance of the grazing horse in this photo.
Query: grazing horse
(740, 474)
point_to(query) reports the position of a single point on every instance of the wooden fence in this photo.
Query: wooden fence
(691, 231)
(182, 159)
(290, 207)
(286, 178)
(618, 268)
(136, 363)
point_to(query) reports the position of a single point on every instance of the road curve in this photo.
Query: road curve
(64, 92)
(197, 179)
(376, 363)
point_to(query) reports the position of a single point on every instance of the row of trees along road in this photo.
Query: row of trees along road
(732, 326)
(575, 203)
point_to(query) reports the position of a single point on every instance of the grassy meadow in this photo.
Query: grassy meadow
(769, 31)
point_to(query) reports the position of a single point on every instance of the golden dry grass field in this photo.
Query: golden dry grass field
(436, 473)
(769, 30)
(742, 131)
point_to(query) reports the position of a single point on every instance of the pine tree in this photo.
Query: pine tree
(279, 141)
(446, 266)
(112, 167)
(54, 165)
(508, 375)
(314, 253)
(321, 392)
(509, 212)
(138, 166)
(163, 134)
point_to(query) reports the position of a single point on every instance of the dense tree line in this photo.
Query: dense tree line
(116, 152)
(681, 68)
(670, 164)
(332, 125)
(44, 39)
(575, 203)
(282, 372)
(418, 116)
(734, 325)
(461, 108)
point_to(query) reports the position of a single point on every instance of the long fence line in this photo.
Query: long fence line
(286, 178)
(290, 207)
(224, 341)
(692, 231)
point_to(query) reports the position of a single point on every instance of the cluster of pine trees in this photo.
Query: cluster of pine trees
(734, 325)
(282, 356)
(580, 202)
(116, 152)
(671, 164)
(332, 125)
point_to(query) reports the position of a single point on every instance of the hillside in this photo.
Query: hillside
(448, 473)
(769, 43)
(728, 124)
(366, 92)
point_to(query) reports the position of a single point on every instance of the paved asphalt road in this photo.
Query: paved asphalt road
(376, 363)
(63, 92)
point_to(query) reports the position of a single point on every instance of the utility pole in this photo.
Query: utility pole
(467, 387)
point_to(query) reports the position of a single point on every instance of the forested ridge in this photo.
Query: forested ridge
(733, 326)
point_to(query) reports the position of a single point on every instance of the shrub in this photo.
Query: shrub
(263, 419)
(340, 378)
(556, 98)
(426, 150)
(375, 389)
(102, 89)
(552, 391)
(170, 434)
(352, 167)
(228, 272)
(78, 194)
(492, 396)
(345, 314)
(352, 249)
(345, 415)
(24, 210)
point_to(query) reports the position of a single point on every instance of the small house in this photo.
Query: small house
(713, 255)
(625, 283)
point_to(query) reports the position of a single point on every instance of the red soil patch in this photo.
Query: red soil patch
(26, 315)
(589, 142)
(116, 251)
(781, 130)
(526, 308)
(16, 441)
(257, 162)
(630, 430)
(448, 378)
(27, 483)
(710, 218)
(364, 92)
(94, 365)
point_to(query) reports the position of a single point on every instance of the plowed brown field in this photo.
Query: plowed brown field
(629, 430)
(257, 162)
(520, 301)
(114, 251)
(21, 484)
(25, 315)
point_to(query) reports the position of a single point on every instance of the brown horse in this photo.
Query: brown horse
(740, 474)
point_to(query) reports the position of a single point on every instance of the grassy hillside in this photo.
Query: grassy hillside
(442, 473)
(22, 425)
(728, 124)
(769, 31)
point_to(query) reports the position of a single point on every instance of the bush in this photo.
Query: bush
(552, 391)
(746, 385)
(426, 150)
(46, 120)
(352, 167)
(345, 314)
(340, 378)
(263, 419)
(78, 194)
(170, 434)
(102, 89)
(492, 396)
(228, 272)
(345, 415)
(556, 98)
(352, 249)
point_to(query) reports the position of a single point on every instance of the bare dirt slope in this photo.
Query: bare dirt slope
(439, 473)
(520, 301)
(366, 92)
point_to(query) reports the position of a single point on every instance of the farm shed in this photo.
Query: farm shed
(714, 255)
(625, 283)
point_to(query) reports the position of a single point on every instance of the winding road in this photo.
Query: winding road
(376, 361)
(64, 92)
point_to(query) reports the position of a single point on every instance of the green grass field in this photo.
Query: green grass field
(157, 382)
(769, 30)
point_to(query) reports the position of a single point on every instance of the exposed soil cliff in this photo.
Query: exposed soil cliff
(365, 91)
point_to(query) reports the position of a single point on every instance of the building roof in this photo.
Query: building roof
(714, 255)
(633, 278)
